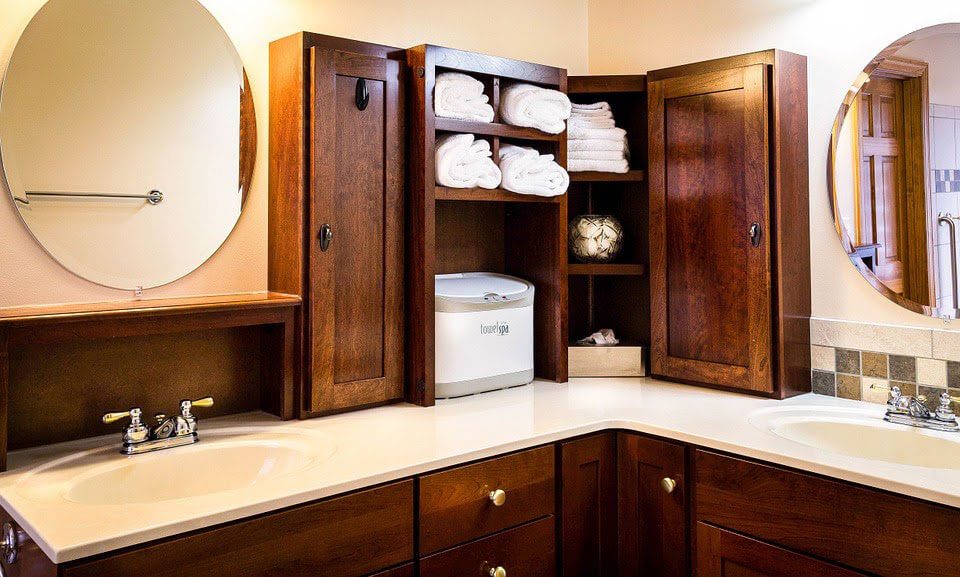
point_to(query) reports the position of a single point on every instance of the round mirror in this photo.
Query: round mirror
(894, 171)
(127, 135)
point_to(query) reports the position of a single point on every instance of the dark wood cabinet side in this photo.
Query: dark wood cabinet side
(722, 553)
(588, 538)
(653, 534)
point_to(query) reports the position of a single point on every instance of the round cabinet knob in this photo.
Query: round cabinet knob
(498, 498)
(668, 484)
(498, 572)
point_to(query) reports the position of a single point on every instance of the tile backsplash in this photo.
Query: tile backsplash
(855, 360)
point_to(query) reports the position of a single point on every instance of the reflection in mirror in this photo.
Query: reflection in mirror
(127, 135)
(895, 170)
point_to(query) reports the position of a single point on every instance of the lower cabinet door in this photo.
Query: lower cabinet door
(589, 506)
(722, 553)
(652, 506)
(403, 571)
(525, 551)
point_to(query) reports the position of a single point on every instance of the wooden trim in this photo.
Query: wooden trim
(606, 84)
(767, 57)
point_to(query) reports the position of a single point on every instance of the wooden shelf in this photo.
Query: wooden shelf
(612, 269)
(493, 129)
(591, 176)
(490, 195)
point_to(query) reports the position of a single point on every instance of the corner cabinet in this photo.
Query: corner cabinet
(336, 214)
(729, 227)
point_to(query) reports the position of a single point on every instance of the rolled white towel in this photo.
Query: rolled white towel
(596, 155)
(461, 96)
(617, 134)
(540, 108)
(619, 166)
(465, 162)
(590, 122)
(526, 171)
(575, 144)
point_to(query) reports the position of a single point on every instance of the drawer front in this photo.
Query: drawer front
(355, 535)
(527, 551)
(455, 505)
(848, 524)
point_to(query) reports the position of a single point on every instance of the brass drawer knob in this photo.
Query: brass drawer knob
(498, 498)
(498, 572)
(668, 484)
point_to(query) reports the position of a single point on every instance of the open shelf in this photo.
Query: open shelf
(607, 269)
(490, 195)
(493, 129)
(591, 176)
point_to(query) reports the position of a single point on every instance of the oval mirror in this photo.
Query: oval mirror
(894, 171)
(127, 136)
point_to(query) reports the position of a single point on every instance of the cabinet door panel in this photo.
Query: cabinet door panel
(709, 187)
(724, 554)
(356, 300)
(589, 525)
(653, 521)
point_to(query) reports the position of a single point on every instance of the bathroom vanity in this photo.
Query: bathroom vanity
(609, 477)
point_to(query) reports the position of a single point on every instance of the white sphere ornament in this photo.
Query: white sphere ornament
(595, 238)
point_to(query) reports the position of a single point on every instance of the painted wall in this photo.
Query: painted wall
(839, 37)
(548, 31)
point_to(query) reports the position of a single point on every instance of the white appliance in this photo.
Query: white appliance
(484, 333)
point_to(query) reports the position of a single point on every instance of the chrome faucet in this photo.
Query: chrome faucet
(913, 411)
(167, 433)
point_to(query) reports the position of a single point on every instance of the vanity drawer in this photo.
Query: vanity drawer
(358, 534)
(528, 550)
(456, 505)
(865, 529)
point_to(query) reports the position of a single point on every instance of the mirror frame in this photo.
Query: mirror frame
(832, 185)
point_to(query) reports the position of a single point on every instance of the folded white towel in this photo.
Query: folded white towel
(619, 166)
(465, 162)
(526, 171)
(591, 107)
(597, 122)
(575, 144)
(596, 155)
(617, 134)
(591, 114)
(461, 96)
(540, 108)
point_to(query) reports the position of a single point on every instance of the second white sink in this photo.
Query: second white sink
(863, 434)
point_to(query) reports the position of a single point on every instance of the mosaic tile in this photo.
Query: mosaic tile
(824, 383)
(848, 361)
(903, 368)
(848, 387)
(874, 365)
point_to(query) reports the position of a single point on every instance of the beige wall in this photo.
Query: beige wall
(547, 31)
(839, 36)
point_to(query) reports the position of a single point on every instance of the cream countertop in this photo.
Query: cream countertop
(389, 443)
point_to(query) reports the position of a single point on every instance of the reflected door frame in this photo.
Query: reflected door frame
(916, 218)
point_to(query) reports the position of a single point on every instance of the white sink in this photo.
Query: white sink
(861, 433)
(223, 460)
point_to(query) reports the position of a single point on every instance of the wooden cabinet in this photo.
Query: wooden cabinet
(653, 507)
(729, 234)
(336, 214)
(722, 553)
(588, 534)
(529, 551)
(354, 535)
(460, 504)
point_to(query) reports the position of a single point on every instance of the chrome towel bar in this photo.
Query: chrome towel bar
(153, 197)
(948, 219)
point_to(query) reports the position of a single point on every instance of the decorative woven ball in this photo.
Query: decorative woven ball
(595, 238)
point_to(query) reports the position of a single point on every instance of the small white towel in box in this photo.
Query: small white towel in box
(620, 166)
(465, 162)
(526, 171)
(461, 96)
(535, 107)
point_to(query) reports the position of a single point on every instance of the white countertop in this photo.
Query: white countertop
(389, 443)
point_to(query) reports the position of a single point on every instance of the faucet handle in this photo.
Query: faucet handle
(133, 413)
(944, 412)
(185, 406)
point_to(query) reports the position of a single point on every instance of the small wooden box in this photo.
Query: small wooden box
(617, 361)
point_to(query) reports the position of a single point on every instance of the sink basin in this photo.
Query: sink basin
(226, 460)
(861, 433)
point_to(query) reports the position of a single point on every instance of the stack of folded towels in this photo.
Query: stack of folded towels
(535, 107)
(594, 142)
(463, 161)
(461, 96)
(526, 171)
